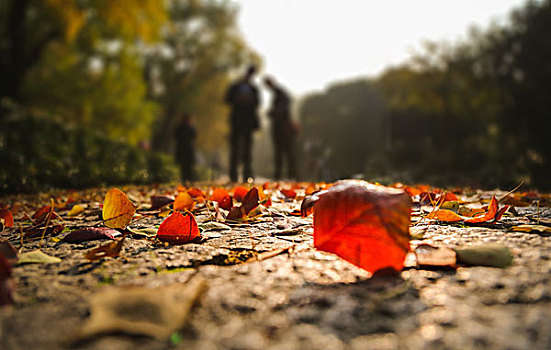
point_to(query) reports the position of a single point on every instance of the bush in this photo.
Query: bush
(37, 152)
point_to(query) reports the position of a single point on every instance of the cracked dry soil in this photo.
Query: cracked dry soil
(300, 299)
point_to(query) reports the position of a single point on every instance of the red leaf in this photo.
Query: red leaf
(250, 201)
(223, 198)
(239, 193)
(365, 224)
(489, 215)
(178, 228)
(90, 234)
(6, 282)
(289, 193)
(8, 218)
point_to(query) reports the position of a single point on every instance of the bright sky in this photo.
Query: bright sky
(307, 44)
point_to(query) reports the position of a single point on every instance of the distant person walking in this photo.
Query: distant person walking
(284, 131)
(243, 98)
(185, 134)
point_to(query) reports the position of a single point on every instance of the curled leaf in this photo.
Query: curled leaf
(365, 224)
(250, 201)
(118, 210)
(111, 250)
(489, 215)
(178, 228)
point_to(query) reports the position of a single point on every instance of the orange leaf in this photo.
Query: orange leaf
(183, 201)
(118, 210)
(8, 218)
(289, 193)
(489, 215)
(239, 193)
(178, 228)
(111, 250)
(445, 215)
(197, 194)
(250, 201)
(365, 224)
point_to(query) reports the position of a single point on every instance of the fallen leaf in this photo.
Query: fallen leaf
(417, 232)
(6, 282)
(214, 226)
(90, 234)
(75, 210)
(146, 232)
(178, 228)
(494, 255)
(489, 215)
(250, 201)
(236, 214)
(36, 257)
(531, 228)
(183, 202)
(223, 198)
(38, 231)
(431, 256)
(365, 224)
(158, 202)
(111, 250)
(8, 252)
(239, 193)
(118, 210)
(154, 312)
(289, 193)
(444, 215)
(270, 254)
(6, 215)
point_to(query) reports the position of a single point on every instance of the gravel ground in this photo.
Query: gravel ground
(299, 299)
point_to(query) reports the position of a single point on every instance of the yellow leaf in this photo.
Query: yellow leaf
(77, 209)
(118, 210)
(531, 228)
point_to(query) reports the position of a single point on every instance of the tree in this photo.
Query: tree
(189, 70)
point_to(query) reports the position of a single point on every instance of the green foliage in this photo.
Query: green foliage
(38, 152)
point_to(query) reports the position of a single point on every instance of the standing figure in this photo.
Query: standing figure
(284, 131)
(185, 134)
(243, 98)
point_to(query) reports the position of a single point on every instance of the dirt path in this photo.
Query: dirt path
(298, 299)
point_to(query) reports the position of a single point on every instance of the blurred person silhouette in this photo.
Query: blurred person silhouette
(185, 134)
(284, 131)
(243, 98)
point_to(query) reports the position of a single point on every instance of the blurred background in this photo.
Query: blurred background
(449, 93)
